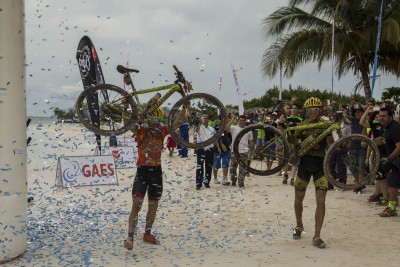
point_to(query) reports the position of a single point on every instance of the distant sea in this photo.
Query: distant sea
(41, 120)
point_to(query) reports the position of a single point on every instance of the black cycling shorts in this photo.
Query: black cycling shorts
(311, 166)
(393, 179)
(148, 178)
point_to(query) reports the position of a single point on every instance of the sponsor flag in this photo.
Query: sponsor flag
(91, 73)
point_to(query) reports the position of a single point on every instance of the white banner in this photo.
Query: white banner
(86, 170)
(123, 143)
(124, 156)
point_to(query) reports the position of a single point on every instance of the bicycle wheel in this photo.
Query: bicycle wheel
(184, 119)
(106, 109)
(342, 166)
(266, 159)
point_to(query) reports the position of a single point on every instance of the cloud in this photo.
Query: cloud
(203, 38)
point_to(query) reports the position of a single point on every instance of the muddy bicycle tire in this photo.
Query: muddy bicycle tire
(257, 162)
(210, 106)
(119, 120)
(339, 150)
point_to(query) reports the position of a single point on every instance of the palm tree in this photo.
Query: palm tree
(303, 37)
(392, 93)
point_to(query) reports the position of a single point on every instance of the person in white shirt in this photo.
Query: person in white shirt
(246, 145)
(205, 155)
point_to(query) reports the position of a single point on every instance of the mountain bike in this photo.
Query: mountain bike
(282, 147)
(120, 111)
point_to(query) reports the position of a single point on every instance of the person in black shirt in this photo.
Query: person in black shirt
(391, 162)
(370, 121)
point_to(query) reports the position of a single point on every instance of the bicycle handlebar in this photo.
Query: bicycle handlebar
(179, 75)
(180, 78)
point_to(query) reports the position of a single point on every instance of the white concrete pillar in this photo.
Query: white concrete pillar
(13, 171)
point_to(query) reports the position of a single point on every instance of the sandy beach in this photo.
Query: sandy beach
(219, 226)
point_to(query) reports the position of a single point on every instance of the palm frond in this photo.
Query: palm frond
(303, 32)
(291, 19)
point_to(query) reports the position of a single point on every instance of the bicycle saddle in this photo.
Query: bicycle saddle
(121, 69)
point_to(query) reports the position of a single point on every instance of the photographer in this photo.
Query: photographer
(391, 163)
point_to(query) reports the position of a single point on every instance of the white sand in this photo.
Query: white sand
(220, 226)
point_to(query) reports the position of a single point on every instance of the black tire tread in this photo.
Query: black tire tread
(267, 128)
(208, 142)
(372, 171)
(92, 89)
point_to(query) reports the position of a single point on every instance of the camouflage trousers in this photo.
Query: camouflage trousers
(234, 165)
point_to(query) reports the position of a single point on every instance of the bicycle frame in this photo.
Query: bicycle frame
(174, 87)
(330, 127)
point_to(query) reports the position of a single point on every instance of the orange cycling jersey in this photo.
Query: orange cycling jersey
(150, 145)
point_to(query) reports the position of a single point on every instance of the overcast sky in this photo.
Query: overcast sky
(203, 38)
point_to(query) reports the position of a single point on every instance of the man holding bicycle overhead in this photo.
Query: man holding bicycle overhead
(311, 164)
(148, 178)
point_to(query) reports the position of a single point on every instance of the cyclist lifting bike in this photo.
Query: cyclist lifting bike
(285, 146)
(120, 111)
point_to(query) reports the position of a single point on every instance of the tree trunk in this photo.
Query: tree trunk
(366, 84)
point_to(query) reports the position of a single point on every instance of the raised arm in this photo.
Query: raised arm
(180, 118)
(229, 123)
(364, 118)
